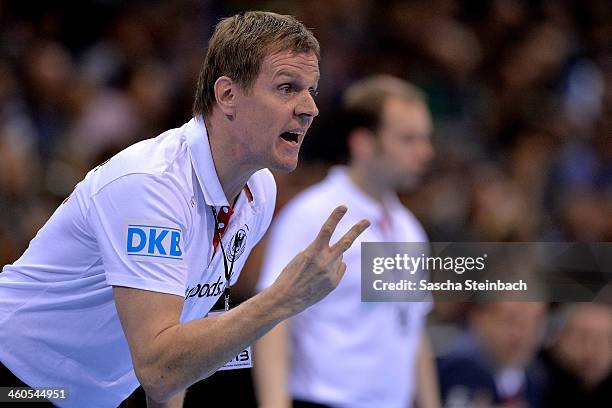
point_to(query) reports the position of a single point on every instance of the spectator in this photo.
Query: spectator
(492, 363)
(579, 360)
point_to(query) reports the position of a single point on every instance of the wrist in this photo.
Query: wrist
(275, 302)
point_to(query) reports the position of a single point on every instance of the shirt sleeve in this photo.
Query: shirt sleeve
(141, 225)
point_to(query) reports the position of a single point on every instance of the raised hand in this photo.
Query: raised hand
(316, 271)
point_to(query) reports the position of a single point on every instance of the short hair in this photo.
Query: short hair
(363, 102)
(239, 45)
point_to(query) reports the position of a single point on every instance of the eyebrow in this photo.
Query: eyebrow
(285, 72)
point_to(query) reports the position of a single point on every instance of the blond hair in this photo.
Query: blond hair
(239, 45)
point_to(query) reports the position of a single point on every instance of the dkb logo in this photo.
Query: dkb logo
(154, 241)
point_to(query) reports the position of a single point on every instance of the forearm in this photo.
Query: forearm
(186, 353)
(271, 373)
(168, 356)
(428, 392)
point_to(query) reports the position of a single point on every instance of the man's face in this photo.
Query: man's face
(404, 147)
(510, 330)
(584, 346)
(273, 116)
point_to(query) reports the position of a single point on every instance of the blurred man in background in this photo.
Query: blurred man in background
(521, 93)
(491, 364)
(342, 352)
(579, 361)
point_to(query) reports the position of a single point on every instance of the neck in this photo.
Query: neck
(367, 183)
(229, 159)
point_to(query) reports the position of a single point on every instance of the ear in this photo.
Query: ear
(361, 144)
(225, 95)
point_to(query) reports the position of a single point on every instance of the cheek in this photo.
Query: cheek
(401, 160)
(259, 130)
(400, 152)
(274, 116)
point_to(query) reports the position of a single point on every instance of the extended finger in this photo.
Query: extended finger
(329, 226)
(347, 239)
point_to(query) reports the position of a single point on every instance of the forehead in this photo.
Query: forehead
(592, 316)
(524, 309)
(407, 113)
(290, 63)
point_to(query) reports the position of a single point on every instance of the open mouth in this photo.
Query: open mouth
(290, 137)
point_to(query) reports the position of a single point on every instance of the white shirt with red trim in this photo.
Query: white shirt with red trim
(345, 353)
(142, 220)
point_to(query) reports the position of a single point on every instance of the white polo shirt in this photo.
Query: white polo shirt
(345, 353)
(141, 220)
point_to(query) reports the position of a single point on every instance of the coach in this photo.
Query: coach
(110, 293)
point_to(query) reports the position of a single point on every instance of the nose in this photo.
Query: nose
(306, 106)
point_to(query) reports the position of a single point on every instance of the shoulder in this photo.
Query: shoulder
(464, 364)
(465, 355)
(145, 197)
(163, 157)
(411, 226)
(307, 210)
(313, 200)
(466, 371)
(153, 172)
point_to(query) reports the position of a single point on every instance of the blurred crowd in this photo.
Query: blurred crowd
(521, 93)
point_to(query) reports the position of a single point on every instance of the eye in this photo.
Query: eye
(285, 89)
(313, 92)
